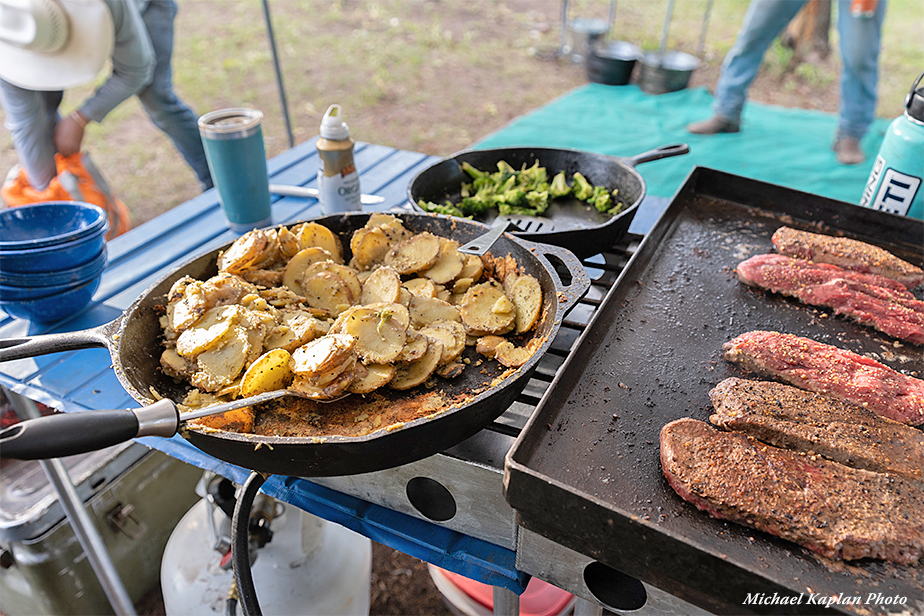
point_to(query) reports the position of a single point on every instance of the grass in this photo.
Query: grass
(426, 75)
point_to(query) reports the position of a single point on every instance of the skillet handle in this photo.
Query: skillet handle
(568, 295)
(31, 346)
(665, 151)
(68, 434)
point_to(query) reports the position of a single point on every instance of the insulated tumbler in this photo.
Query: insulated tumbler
(233, 143)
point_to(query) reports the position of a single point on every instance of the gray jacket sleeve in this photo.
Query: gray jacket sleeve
(133, 61)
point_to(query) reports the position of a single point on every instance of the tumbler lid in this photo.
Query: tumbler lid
(235, 123)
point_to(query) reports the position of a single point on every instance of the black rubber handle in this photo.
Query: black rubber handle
(67, 434)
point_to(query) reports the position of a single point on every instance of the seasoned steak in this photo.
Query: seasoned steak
(872, 300)
(831, 371)
(846, 253)
(799, 420)
(835, 510)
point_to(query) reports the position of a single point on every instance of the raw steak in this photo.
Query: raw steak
(831, 371)
(835, 510)
(846, 253)
(791, 418)
(872, 300)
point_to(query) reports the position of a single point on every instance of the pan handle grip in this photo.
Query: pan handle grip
(570, 294)
(31, 346)
(68, 434)
(666, 151)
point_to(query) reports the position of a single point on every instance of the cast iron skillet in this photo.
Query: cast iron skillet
(466, 404)
(568, 222)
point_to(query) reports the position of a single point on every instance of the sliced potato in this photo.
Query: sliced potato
(425, 310)
(486, 310)
(270, 372)
(415, 373)
(451, 334)
(328, 292)
(294, 329)
(371, 377)
(220, 366)
(392, 226)
(313, 234)
(382, 285)
(175, 365)
(414, 254)
(347, 274)
(369, 247)
(450, 370)
(487, 345)
(473, 268)
(288, 242)
(414, 347)
(512, 356)
(421, 287)
(189, 308)
(380, 336)
(449, 264)
(321, 355)
(243, 253)
(295, 268)
(214, 326)
(337, 387)
(461, 285)
(526, 294)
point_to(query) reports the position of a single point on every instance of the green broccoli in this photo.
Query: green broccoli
(559, 186)
(448, 208)
(538, 201)
(475, 173)
(581, 188)
(601, 199)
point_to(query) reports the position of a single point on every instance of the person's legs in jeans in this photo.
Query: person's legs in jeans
(31, 118)
(763, 22)
(166, 110)
(859, 43)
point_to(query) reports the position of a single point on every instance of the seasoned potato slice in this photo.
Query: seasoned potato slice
(369, 247)
(337, 387)
(270, 372)
(526, 294)
(371, 377)
(486, 310)
(328, 292)
(448, 265)
(392, 226)
(415, 373)
(512, 356)
(382, 285)
(347, 274)
(244, 252)
(214, 326)
(175, 365)
(451, 334)
(414, 347)
(218, 367)
(295, 269)
(322, 355)
(380, 336)
(425, 310)
(487, 345)
(473, 268)
(460, 286)
(294, 329)
(189, 308)
(314, 234)
(288, 242)
(414, 254)
(421, 287)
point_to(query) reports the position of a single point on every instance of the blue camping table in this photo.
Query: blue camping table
(84, 379)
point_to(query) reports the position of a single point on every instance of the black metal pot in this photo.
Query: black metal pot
(568, 222)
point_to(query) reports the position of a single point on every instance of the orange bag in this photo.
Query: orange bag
(78, 179)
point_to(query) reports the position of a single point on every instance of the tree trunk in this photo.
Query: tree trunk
(807, 33)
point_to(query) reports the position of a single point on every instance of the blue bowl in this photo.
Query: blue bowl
(50, 282)
(49, 223)
(55, 258)
(53, 307)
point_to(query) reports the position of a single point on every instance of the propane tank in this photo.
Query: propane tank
(894, 184)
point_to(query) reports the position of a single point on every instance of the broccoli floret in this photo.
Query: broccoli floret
(448, 208)
(559, 186)
(475, 173)
(535, 178)
(581, 188)
(601, 199)
(504, 167)
(538, 200)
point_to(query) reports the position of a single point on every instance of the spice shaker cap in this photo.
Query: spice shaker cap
(332, 126)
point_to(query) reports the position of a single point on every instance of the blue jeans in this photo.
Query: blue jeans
(859, 43)
(31, 116)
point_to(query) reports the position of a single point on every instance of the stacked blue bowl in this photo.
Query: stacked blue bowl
(52, 256)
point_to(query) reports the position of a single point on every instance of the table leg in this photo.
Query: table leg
(506, 602)
(83, 526)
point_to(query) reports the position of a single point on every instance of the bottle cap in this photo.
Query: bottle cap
(332, 126)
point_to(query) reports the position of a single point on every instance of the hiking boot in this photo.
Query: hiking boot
(715, 124)
(848, 152)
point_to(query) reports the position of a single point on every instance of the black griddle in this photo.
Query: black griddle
(585, 471)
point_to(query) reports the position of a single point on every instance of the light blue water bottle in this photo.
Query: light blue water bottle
(894, 184)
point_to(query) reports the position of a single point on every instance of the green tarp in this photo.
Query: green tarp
(788, 147)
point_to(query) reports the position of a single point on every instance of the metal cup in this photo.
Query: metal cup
(234, 149)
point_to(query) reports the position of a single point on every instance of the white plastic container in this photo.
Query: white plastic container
(311, 567)
(338, 180)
